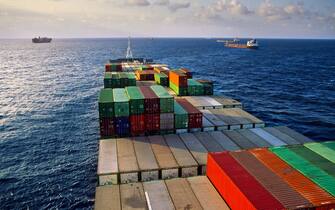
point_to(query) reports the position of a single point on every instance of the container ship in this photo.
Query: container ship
(251, 44)
(41, 40)
(168, 142)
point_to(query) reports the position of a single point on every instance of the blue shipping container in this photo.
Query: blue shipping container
(122, 126)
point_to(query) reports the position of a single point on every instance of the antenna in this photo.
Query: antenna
(129, 53)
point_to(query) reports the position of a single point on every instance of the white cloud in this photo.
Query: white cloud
(233, 7)
(176, 6)
(141, 3)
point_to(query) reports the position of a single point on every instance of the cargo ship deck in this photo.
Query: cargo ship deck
(191, 167)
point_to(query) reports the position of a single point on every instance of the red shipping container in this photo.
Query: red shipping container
(107, 127)
(151, 100)
(239, 189)
(108, 67)
(194, 115)
(187, 72)
(178, 78)
(152, 122)
(137, 124)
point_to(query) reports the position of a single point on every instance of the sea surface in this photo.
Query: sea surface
(49, 114)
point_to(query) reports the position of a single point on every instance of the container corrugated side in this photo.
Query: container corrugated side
(151, 100)
(136, 100)
(322, 150)
(282, 191)
(166, 121)
(314, 159)
(194, 115)
(180, 91)
(194, 88)
(165, 99)
(121, 102)
(316, 195)
(237, 187)
(318, 176)
(106, 103)
(180, 116)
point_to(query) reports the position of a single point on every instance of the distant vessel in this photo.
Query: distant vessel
(251, 44)
(41, 40)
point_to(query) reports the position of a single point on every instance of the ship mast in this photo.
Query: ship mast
(129, 53)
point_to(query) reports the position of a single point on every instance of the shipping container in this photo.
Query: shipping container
(121, 102)
(131, 79)
(151, 100)
(237, 187)
(108, 80)
(166, 101)
(161, 69)
(162, 79)
(137, 124)
(194, 88)
(152, 123)
(166, 121)
(180, 91)
(177, 78)
(136, 100)
(107, 127)
(106, 103)
(180, 116)
(122, 126)
(208, 86)
(323, 150)
(116, 81)
(315, 159)
(113, 67)
(145, 75)
(187, 72)
(194, 115)
(317, 196)
(123, 79)
(318, 176)
(282, 191)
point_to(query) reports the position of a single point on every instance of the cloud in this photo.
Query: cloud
(176, 6)
(141, 3)
(233, 7)
(161, 2)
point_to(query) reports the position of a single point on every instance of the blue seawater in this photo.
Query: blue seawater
(48, 103)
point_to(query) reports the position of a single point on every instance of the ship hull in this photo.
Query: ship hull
(44, 40)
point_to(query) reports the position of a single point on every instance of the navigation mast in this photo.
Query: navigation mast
(129, 53)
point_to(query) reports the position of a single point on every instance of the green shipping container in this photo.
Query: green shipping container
(314, 159)
(180, 116)
(106, 103)
(136, 100)
(314, 173)
(166, 101)
(116, 80)
(123, 79)
(322, 149)
(121, 102)
(194, 88)
(180, 91)
(108, 80)
(131, 79)
(162, 79)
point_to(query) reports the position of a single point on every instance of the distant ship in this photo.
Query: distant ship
(41, 40)
(251, 44)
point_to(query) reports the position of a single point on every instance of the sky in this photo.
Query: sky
(167, 18)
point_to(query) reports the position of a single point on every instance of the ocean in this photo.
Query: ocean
(49, 115)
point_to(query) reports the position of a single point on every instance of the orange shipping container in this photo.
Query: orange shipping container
(312, 192)
(178, 79)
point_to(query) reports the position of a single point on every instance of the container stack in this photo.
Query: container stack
(136, 111)
(194, 88)
(119, 79)
(194, 115)
(166, 106)
(287, 177)
(178, 82)
(180, 118)
(207, 86)
(106, 112)
(109, 67)
(151, 110)
(147, 75)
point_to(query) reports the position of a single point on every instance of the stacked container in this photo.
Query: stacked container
(194, 115)
(151, 110)
(194, 88)
(207, 86)
(178, 82)
(180, 118)
(162, 79)
(119, 79)
(121, 112)
(136, 110)
(106, 112)
(187, 72)
(166, 106)
(113, 67)
(147, 75)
